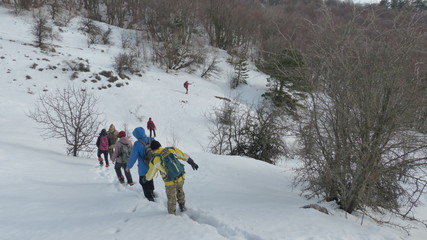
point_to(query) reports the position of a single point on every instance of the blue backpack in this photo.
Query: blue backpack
(174, 169)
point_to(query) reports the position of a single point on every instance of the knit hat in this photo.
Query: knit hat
(122, 134)
(103, 132)
(155, 145)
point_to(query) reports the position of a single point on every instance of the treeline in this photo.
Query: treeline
(271, 33)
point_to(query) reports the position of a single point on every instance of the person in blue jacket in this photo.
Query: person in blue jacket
(138, 152)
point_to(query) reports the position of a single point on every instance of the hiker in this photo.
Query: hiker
(186, 84)
(113, 135)
(121, 156)
(151, 126)
(102, 143)
(174, 187)
(140, 150)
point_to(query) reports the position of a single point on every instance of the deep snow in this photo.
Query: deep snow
(46, 194)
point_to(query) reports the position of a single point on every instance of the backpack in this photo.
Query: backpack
(174, 169)
(124, 152)
(148, 152)
(103, 143)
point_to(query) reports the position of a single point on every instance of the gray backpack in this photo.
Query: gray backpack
(148, 152)
(124, 152)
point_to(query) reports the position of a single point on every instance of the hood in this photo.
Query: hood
(103, 132)
(112, 128)
(139, 133)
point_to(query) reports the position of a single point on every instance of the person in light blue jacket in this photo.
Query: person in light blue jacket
(138, 153)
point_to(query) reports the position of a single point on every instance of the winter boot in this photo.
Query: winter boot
(182, 208)
(100, 160)
(121, 179)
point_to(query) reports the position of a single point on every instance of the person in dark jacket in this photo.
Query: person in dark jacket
(103, 143)
(151, 126)
(138, 153)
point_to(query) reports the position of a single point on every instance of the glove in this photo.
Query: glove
(193, 164)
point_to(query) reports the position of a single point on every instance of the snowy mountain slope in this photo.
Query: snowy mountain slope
(48, 195)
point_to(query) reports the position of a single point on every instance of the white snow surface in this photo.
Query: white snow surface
(47, 195)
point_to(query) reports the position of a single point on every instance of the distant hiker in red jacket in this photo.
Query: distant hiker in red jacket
(151, 126)
(186, 84)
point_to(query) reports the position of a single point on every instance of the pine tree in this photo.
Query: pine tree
(241, 71)
(285, 77)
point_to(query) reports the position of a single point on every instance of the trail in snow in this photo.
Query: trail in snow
(223, 228)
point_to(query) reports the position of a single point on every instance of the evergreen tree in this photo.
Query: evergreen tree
(285, 77)
(241, 71)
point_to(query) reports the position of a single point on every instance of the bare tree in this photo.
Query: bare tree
(41, 29)
(93, 31)
(22, 4)
(210, 68)
(172, 26)
(230, 23)
(358, 144)
(69, 114)
(116, 12)
(55, 8)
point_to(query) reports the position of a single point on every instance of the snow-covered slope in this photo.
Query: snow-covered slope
(47, 195)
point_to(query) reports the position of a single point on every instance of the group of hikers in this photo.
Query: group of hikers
(151, 158)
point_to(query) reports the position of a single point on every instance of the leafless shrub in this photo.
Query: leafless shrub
(175, 56)
(126, 62)
(358, 144)
(93, 31)
(106, 37)
(79, 65)
(74, 76)
(126, 39)
(210, 68)
(69, 114)
(256, 133)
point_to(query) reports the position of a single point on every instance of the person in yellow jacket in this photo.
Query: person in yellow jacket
(174, 188)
